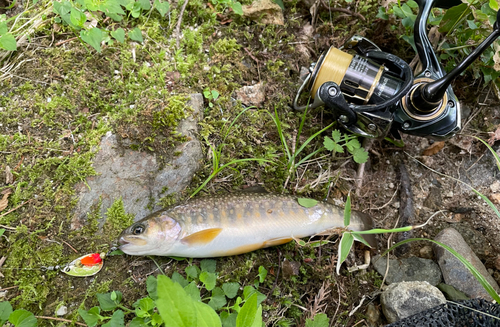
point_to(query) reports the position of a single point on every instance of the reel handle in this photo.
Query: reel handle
(434, 92)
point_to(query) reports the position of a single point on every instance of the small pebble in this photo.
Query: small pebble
(63, 310)
(426, 252)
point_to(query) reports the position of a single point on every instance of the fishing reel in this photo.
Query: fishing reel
(371, 92)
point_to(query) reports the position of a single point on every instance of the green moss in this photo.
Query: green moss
(116, 219)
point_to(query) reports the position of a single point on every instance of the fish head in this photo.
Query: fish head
(153, 235)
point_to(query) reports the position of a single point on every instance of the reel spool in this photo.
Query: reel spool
(361, 80)
(372, 92)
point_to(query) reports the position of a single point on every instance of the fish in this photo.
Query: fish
(232, 224)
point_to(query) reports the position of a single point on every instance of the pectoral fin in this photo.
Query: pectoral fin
(277, 241)
(202, 237)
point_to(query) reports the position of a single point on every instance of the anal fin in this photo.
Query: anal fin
(202, 237)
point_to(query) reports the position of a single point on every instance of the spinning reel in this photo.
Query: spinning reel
(373, 92)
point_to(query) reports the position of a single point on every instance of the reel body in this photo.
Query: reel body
(372, 92)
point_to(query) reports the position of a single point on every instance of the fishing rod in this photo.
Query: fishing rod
(371, 93)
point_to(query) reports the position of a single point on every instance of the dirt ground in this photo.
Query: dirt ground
(63, 97)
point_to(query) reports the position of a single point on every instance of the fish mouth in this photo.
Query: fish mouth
(123, 241)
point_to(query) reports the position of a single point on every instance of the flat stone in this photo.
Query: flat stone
(454, 272)
(408, 270)
(401, 300)
(137, 177)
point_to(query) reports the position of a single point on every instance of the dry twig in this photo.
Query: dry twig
(178, 27)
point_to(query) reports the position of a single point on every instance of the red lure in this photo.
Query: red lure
(91, 259)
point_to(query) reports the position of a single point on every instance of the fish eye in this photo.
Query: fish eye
(138, 229)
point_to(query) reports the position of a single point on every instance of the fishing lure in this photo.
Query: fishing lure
(84, 266)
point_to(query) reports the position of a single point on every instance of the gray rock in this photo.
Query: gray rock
(135, 176)
(404, 299)
(454, 272)
(408, 270)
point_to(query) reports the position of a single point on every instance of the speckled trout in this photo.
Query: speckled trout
(232, 224)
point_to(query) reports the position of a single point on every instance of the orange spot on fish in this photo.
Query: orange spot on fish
(91, 259)
(239, 216)
(202, 237)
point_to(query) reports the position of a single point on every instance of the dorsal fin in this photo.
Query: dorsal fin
(202, 237)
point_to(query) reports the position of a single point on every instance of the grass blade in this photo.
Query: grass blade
(344, 248)
(347, 211)
(495, 155)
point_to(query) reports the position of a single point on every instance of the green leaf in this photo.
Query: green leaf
(352, 145)
(138, 322)
(135, 34)
(116, 252)
(178, 309)
(77, 17)
(5, 311)
(193, 291)
(249, 290)
(280, 3)
(3, 26)
(306, 202)
(178, 278)
(360, 238)
(119, 35)
(360, 155)
(336, 135)
(215, 94)
(111, 7)
(237, 8)
(262, 274)
(250, 314)
(162, 7)
(146, 304)
(145, 4)
(174, 305)
(135, 9)
(453, 16)
(208, 265)
(320, 320)
(208, 279)
(117, 320)
(93, 37)
(329, 144)
(218, 299)
(228, 320)
(152, 287)
(107, 303)
(192, 271)
(230, 289)
(90, 317)
(494, 5)
(382, 14)
(22, 318)
(344, 248)
(8, 42)
(206, 316)
(347, 211)
(156, 319)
